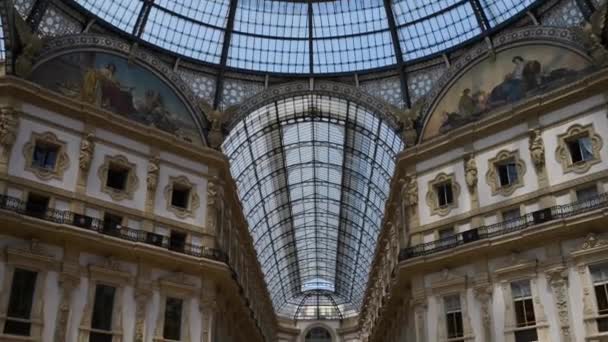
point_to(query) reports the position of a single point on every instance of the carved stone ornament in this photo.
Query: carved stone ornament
(592, 241)
(216, 136)
(31, 46)
(212, 205)
(62, 161)
(409, 191)
(562, 153)
(558, 279)
(537, 149)
(470, 169)
(87, 147)
(152, 176)
(492, 175)
(595, 34)
(131, 184)
(484, 295)
(194, 201)
(407, 119)
(9, 123)
(431, 196)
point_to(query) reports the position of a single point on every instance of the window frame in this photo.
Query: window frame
(62, 160)
(432, 195)
(194, 201)
(132, 181)
(493, 175)
(563, 152)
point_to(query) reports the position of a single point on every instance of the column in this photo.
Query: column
(558, 279)
(67, 283)
(484, 296)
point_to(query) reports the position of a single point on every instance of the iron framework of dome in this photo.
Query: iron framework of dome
(306, 37)
(313, 174)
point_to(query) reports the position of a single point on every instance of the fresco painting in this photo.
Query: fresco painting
(514, 75)
(127, 89)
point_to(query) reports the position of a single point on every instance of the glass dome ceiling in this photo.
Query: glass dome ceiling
(305, 37)
(313, 174)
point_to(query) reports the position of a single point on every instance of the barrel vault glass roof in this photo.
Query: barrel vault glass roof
(313, 174)
(304, 37)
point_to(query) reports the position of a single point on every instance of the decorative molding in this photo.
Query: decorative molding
(470, 170)
(530, 34)
(194, 201)
(557, 278)
(9, 125)
(492, 174)
(88, 41)
(132, 182)
(537, 149)
(384, 110)
(62, 162)
(562, 152)
(152, 176)
(431, 195)
(87, 148)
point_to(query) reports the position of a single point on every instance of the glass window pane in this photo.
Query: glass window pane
(103, 307)
(173, 319)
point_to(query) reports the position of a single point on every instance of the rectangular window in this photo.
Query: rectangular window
(117, 177)
(511, 215)
(599, 274)
(581, 149)
(444, 194)
(102, 313)
(507, 173)
(36, 204)
(586, 194)
(180, 196)
(524, 305)
(45, 155)
(173, 319)
(20, 303)
(111, 223)
(177, 241)
(453, 314)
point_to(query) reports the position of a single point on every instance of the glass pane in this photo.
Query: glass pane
(602, 298)
(173, 319)
(22, 294)
(586, 148)
(103, 307)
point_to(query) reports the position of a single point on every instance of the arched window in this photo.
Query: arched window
(318, 334)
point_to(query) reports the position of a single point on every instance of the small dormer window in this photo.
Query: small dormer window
(45, 155)
(507, 173)
(581, 149)
(117, 177)
(180, 196)
(445, 195)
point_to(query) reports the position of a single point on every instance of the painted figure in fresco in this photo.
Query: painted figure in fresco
(100, 87)
(524, 78)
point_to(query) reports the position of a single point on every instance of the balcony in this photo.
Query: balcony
(107, 228)
(525, 222)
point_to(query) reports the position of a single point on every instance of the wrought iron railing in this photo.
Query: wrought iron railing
(108, 228)
(523, 222)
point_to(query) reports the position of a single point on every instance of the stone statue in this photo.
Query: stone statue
(216, 136)
(30, 48)
(596, 35)
(8, 127)
(87, 147)
(537, 149)
(409, 191)
(470, 169)
(408, 119)
(152, 177)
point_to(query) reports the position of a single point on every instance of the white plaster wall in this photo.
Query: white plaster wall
(200, 186)
(575, 297)
(128, 314)
(53, 117)
(432, 314)
(572, 110)
(500, 137)
(194, 318)
(474, 313)
(554, 168)
(120, 140)
(17, 160)
(483, 166)
(545, 294)
(182, 162)
(94, 181)
(433, 162)
(464, 200)
(51, 298)
(498, 314)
